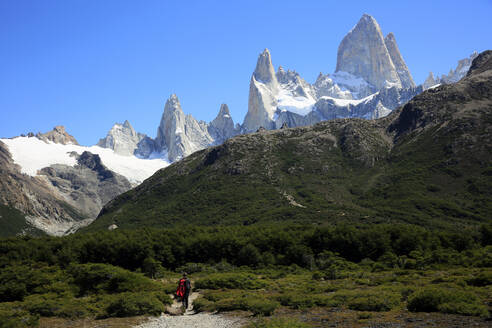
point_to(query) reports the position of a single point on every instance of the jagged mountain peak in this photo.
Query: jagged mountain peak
(172, 103)
(390, 37)
(367, 22)
(367, 18)
(430, 81)
(222, 127)
(178, 134)
(363, 53)
(462, 69)
(223, 111)
(124, 140)
(264, 70)
(127, 124)
(397, 59)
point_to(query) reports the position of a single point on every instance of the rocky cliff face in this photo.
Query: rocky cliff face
(222, 127)
(263, 89)
(368, 65)
(460, 71)
(124, 140)
(86, 186)
(430, 81)
(326, 87)
(363, 53)
(178, 134)
(400, 65)
(61, 198)
(374, 106)
(57, 135)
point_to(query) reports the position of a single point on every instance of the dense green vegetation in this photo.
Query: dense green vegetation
(259, 245)
(416, 183)
(258, 268)
(33, 289)
(12, 221)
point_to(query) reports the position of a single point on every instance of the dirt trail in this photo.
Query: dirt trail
(190, 319)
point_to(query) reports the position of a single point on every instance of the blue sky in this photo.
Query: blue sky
(87, 64)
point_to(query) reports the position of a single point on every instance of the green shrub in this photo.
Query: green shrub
(169, 288)
(163, 297)
(446, 301)
(53, 305)
(235, 300)
(277, 323)
(152, 268)
(104, 278)
(317, 275)
(304, 301)
(406, 292)
(296, 301)
(11, 316)
(132, 304)
(463, 308)
(482, 280)
(202, 304)
(230, 281)
(377, 301)
(364, 315)
(327, 260)
(261, 306)
(18, 281)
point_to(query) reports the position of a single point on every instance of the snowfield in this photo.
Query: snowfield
(347, 102)
(298, 105)
(33, 154)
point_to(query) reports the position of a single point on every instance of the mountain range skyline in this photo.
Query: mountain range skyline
(50, 103)
(241, 128)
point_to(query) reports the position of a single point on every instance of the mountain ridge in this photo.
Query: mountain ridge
(425, 163)
(277, 100)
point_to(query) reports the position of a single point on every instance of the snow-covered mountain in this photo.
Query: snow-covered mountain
(59, 185)
(371, 79)
(33, 154)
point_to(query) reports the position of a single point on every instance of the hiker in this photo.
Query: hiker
(184, 289)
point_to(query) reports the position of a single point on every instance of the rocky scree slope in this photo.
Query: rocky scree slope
(428, 163)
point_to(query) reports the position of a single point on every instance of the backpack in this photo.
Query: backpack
(181, 288)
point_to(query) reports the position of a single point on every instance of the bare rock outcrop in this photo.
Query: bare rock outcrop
(124, 140)
(178, 134)
(363, 53)
(263, 88)
(57, 135)
(401, 68)
(222, 127)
